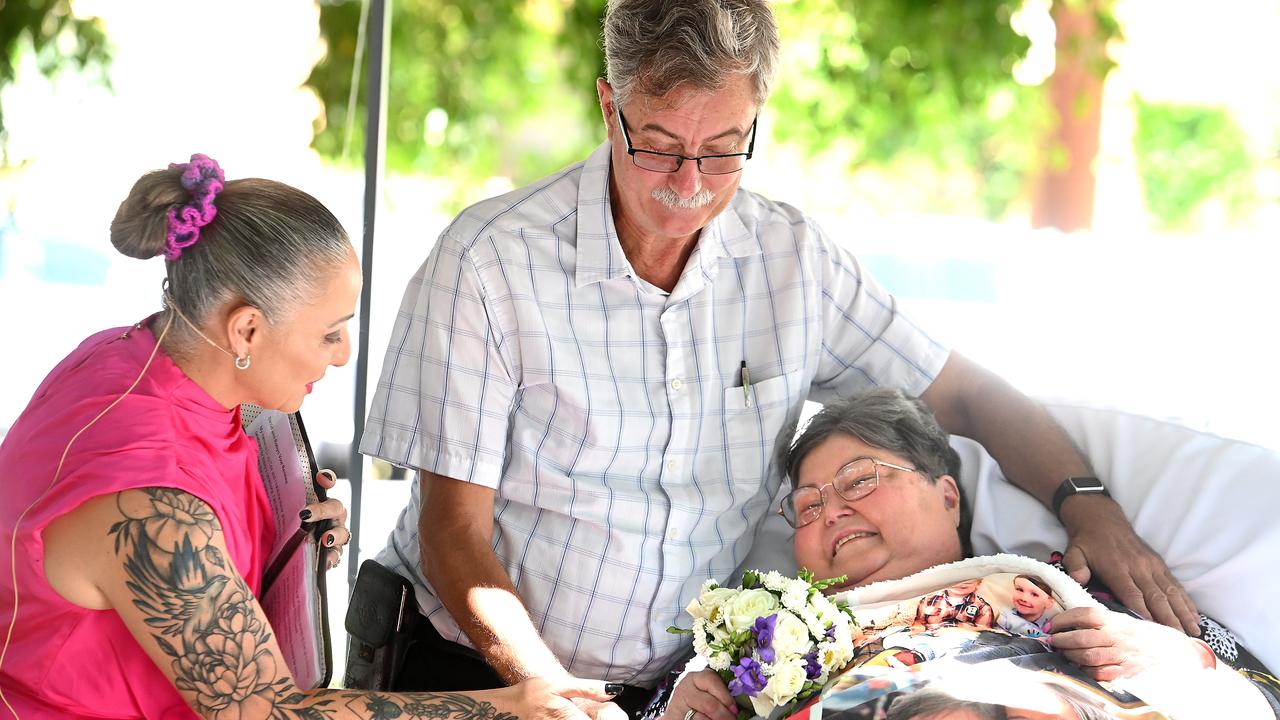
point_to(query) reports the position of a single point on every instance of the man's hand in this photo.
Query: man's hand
(1108, 645)
(1035, 454)
(456, 541)
(704, 693)
(597, 710)
(1101, 540)
(567, 698)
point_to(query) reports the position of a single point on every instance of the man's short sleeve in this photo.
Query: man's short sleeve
(867, 340)
(445, 394)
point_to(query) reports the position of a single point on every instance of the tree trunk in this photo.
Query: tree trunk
(1064, 192)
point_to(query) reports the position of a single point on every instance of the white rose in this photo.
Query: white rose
(741, 612)
(697, 607)
(788, 678)
(712, 603)
(790, 636)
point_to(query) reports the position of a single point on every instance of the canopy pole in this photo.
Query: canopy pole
(375, 155)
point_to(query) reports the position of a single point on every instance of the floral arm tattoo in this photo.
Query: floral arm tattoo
(204, 619)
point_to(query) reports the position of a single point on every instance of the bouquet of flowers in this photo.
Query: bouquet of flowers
(775, 640)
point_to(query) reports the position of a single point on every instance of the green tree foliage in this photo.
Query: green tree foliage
(500, 87)
(880, 80)
(58, 38)
(1187, 155)
(873, 80)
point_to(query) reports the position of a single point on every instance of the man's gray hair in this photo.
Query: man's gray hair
(887, 420)
(652, 47)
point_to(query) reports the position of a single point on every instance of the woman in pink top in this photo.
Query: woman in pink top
(133, 519)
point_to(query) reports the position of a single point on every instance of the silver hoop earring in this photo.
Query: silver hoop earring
(242, 363)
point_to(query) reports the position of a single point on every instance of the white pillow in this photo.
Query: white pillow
(1206, 504)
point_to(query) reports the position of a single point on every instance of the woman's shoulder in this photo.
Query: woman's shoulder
(115, 414)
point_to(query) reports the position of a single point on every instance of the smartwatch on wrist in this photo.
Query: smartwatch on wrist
(1079, 485)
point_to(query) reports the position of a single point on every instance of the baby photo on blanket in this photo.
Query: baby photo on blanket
(977, 645)
(1010, 607)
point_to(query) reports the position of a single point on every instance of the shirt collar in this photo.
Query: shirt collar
(600, 255)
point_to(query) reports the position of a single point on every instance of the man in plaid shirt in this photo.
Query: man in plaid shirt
(589, 375)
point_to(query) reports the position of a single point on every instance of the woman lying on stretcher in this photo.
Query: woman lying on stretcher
(876, 498)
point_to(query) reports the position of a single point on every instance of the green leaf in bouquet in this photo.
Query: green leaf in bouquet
(824, 584)
(845, 608)
(750, 579)
(679, 630)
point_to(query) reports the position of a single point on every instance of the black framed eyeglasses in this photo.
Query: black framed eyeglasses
(855, 480)
(662, 162)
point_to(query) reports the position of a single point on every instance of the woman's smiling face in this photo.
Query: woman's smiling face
(905, 525)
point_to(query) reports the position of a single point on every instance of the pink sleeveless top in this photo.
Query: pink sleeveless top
(63, 660)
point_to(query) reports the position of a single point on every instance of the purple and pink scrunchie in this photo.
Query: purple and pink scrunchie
(202, 177)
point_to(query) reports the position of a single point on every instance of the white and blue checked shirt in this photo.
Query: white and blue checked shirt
(630, 464)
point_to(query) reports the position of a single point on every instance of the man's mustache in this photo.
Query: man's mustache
(668, 197)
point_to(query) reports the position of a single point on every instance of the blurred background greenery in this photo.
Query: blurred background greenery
(988, 108)
(475, 84)
(1025, 175)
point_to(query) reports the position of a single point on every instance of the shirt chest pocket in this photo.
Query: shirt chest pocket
(754, 416)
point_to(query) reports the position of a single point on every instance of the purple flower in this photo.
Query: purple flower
(748, 678)
(831, 632)
(812, 668)
(763, 630)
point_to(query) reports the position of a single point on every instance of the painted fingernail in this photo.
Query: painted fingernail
(613, 688)
(305, 514)
(329, 540)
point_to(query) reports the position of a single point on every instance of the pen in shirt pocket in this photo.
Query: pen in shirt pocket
(745, 377)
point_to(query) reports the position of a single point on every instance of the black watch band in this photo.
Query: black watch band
(1078, 485)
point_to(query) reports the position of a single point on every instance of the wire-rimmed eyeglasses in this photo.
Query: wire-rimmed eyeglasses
(663, 162)
(854, 480)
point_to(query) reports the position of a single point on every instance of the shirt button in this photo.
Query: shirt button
(675, 384)
(672, 534)
(671, 466)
